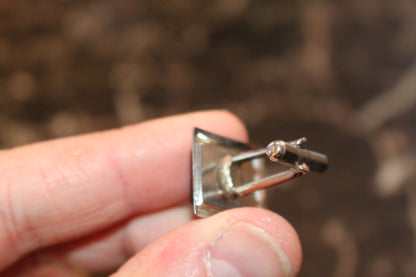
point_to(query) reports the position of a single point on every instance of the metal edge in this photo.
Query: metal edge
(197, 197)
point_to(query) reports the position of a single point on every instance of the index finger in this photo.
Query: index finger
(59, 190)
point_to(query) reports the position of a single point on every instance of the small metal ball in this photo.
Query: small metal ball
(276, 150)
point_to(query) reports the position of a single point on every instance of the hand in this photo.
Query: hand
(99, 202)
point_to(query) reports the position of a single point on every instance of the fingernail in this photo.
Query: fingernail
(245, 250)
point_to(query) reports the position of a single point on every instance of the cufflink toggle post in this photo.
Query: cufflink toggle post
(229, 174)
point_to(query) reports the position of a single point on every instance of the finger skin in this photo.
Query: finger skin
(59, 190)
(183, 252)
(109, 251)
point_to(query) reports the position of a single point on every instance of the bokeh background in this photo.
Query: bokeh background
(341, 73)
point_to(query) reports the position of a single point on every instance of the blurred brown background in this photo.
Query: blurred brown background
(341, 73)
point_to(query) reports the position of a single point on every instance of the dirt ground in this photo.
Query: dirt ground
(341, 73)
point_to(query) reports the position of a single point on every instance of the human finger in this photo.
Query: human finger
(110, 251)
(239, 242)
(59, 190)
(107, 250)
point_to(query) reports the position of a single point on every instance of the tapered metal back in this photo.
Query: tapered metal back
(208, 151)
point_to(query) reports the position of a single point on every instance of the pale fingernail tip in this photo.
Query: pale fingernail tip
(222, 268)
(246, 250)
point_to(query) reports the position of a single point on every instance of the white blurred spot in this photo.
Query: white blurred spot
(335, 234)
(393, 173)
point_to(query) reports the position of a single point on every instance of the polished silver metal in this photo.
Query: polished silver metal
(229, 174)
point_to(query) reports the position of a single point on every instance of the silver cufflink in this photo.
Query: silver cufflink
(228, 174)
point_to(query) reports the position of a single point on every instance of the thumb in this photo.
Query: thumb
(241, 242)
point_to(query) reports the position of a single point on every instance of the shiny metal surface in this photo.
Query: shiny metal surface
(229, 174)
(280, 151)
